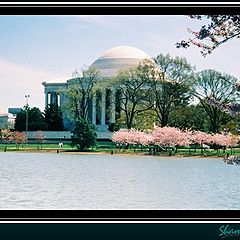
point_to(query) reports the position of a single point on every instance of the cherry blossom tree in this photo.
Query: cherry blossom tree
(19, 138)
(218, 30)
(7, 137)
(128, 137)
(199, 137)
(40, 137)
(169, 138)
(223, 140)
(232, 141)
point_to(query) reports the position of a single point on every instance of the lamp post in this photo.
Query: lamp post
(27, 96)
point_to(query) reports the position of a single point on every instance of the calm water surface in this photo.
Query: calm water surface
(69, 181)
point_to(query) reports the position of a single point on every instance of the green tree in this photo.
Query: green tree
(145, 120)
(84, 135)
(36, 119)
(191, 117)
(173, 88)
(53, 118)
(219, 86)
(134, 90)
(80, 93)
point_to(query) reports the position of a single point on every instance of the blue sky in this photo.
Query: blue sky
(34, 49)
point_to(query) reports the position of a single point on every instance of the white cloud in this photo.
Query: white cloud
(16, 81)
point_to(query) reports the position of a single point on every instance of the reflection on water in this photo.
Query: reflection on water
(70, 181)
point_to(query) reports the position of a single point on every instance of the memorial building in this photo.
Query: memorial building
(102, 112)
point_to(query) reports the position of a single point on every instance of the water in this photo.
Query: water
(73, 181)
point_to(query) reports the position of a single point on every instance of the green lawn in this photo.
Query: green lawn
(101, 146)
(107, 146)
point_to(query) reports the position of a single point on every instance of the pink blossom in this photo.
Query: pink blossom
(39, 135)
(132, 137)
(170, 136)
(224, 140)
(20, 137)
(7, 136)
(199, 137)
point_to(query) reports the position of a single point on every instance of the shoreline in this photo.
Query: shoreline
(57, 151)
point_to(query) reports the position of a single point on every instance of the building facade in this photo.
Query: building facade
(7, 121)
(103, 107)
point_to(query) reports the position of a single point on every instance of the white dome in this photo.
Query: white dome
(125, 52)
(119, 58)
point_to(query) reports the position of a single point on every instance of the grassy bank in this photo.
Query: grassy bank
(109, 147)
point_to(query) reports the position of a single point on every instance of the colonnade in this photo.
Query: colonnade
(52, 97)
(104, 108)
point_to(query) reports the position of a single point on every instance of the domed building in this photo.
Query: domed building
(108, 65)
(118, 58)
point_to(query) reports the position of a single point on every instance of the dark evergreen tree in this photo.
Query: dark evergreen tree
(53, 118)
(20, 122)
(35, 120)
(84, 135)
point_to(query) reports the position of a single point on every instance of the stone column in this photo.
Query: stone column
(112, 107)
(58, 99)
(94, 110)
(46, 99)
(61, 100)
(53, 98)
(103, 103)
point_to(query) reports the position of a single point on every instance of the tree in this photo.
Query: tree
(6, 136)
(19, 138)
(134, 90)
(81, 92)
(220, 29)
(216, 85)
(35, 120)
(53, 118)
(165, 138)
(125, 138)
(40, 137)
(191, 117)
(145, 120)
(170, 137)
(84, 135)
(173, 88)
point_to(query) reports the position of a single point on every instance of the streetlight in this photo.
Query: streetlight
(27, 96)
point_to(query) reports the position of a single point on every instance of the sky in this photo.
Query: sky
(34, 49)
